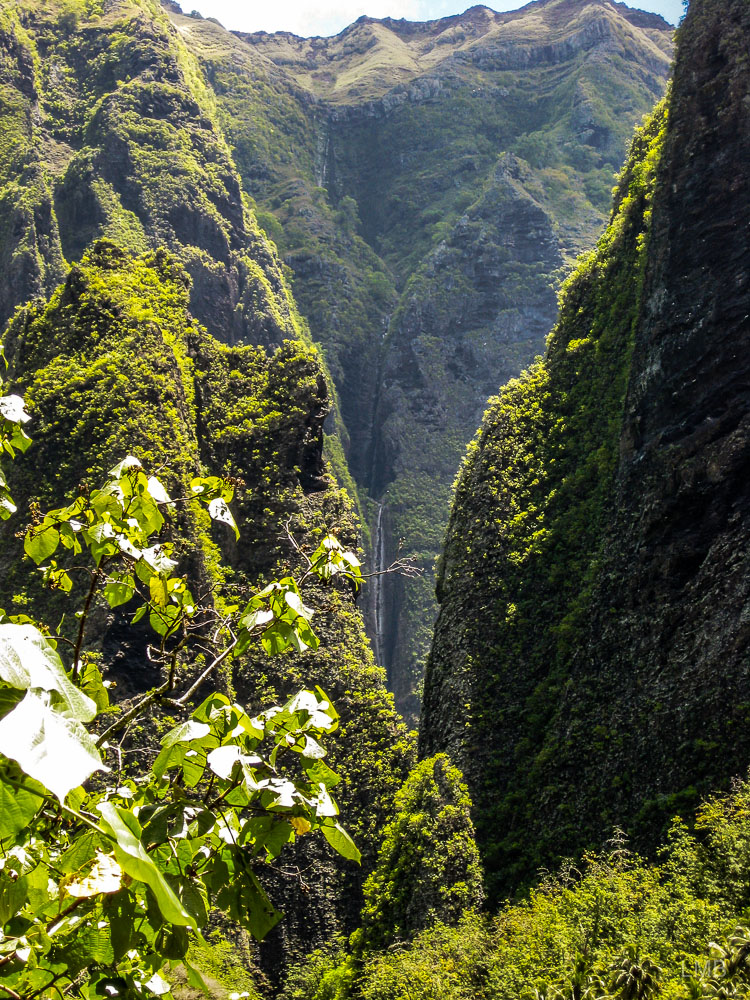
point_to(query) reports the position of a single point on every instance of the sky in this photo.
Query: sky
(328, 17)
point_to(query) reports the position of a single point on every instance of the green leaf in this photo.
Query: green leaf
(208, 487)
(185, 733)
(55, 750)
(40, 543)
(157, 586)
(28, 660)
(135, 860)
(258, 913)
(320, 773)
(119, 590)
(341, 842)
(294, 601)
(80, 853)
(269, 833)
(93, 686)
(12, 408)
(17, 809)
(128, 464)
(7, 507)
(213, 706)
(157, 559)
(222, 760)
(119, 909)
(12, 896)
(89, 945)
(157, 490)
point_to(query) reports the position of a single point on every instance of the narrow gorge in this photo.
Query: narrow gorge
(430, 185)
(471, 296)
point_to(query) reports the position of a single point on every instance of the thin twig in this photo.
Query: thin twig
(84, 614)
(403, 567)
(122, 722)
(206, 673)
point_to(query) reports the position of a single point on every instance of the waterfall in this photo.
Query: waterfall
(377, 585)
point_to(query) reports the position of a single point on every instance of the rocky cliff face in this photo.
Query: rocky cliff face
(590, 660)
(428, 184)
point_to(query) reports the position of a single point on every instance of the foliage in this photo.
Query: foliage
(617, 928)
(428, 866)
(102, 884)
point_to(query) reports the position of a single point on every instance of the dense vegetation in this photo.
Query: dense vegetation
(111, 132)
(612, 927)
(103, 879)
(544, 468)
(590, 665)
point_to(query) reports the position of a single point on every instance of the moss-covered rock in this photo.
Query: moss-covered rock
(111, 133)
(115, 364)
(590, 659)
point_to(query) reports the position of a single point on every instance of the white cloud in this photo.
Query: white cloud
(326, 17)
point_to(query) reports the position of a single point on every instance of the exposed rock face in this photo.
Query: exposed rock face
(590, 665)
(427, 184)
(480, 304)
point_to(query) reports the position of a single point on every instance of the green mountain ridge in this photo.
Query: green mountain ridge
(114, 364)
(115, 150)
(115, 136)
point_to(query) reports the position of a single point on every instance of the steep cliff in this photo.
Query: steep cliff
(428, 183)
(590, 659)
(110, 131)
(115, 364)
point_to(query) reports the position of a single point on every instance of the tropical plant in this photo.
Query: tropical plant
(107, 872)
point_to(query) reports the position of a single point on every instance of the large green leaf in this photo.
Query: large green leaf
(51, 748)
(17, 808)
(28, 660)
(40, 543)
(135, 860)
(341, 842)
